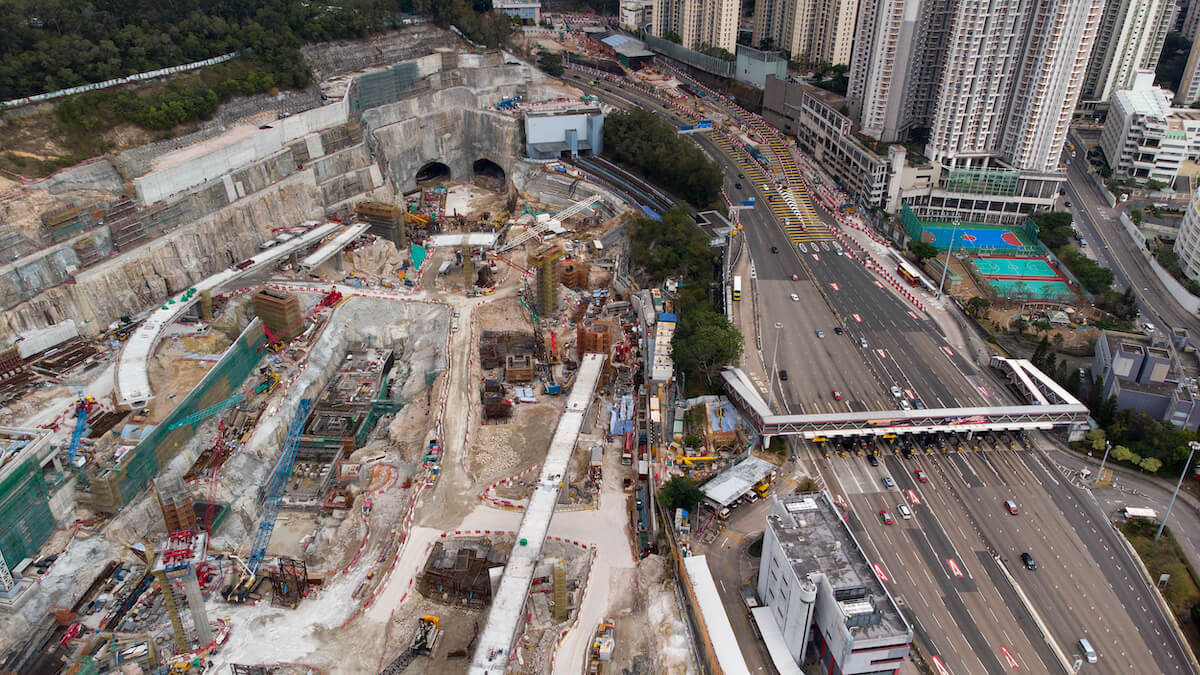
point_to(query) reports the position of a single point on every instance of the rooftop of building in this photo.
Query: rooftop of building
(735, 481)
(1155, 345)
(627, 46)
(815, 538)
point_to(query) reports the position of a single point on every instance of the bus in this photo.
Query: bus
(737, 288)
(908, 273)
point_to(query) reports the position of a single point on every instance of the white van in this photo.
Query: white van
(904, 511)
(1088, 652)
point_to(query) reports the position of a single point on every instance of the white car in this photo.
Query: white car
(896, 391)
(795, 298)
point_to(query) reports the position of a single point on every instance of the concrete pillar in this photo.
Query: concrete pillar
(339, 262)
(295, 261)
(195, 599)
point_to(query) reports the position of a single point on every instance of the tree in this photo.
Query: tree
(922, 249)
(1074, 382)
(552, 64)
(977, 307)
(1151, 464)
(680, 492)
(1018, 324)
(1136, 216)
(672, 36)
(1097, 438)
(704, 341)
(1039, 354)
(1122, 453)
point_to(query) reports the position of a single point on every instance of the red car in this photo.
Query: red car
(837, 395)
(921, 475)
(1011, 506)
(795, 277)
(887, 517)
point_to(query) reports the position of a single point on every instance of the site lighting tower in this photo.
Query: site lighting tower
(1193, 445)
(949, 253)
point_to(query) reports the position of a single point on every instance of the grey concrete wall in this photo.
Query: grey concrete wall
(446, 126)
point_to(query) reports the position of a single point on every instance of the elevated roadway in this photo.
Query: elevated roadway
(132, 383)
(506, 615)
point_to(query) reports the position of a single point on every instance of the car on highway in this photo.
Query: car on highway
(837, 395)
(896, 391)
(1028, 561)
(795, 298)
(1011, 506)
(887, 517)
(741, 176)
(920, 473)
(838, 330)
(774, 249)
(1148, 327)
(888, 482)
(783, 375)
(918, 404)
(1067, 202)
(872, 459)
(905, 404)
(820, 333)
(795, 277)
(862, 342)
(737, 185)
(905, 512)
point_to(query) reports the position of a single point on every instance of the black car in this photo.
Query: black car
(838, 330)
(741, 176)
(774, 249)
(872, 459)
(737, 185)
(1029, 562)
(783, 376)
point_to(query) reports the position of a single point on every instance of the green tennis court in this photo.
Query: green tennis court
(1031, 290)
(1015, 267)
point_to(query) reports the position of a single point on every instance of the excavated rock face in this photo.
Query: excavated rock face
(145, 276)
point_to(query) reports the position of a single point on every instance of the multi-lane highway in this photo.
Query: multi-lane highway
(955, 565)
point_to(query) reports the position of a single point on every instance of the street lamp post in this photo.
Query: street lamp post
(949, 252)
(774, 361)
(1107, 447)
(1193, 445)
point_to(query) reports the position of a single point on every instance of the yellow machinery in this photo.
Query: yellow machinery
(688, 461)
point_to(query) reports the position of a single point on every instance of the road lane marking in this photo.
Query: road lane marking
(912, 497)
(954, 569)
(878, 572)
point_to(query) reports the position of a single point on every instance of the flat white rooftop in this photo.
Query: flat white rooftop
(737, 480)
(133, 365)
(484, 239)
(505, 616)
(716, 621)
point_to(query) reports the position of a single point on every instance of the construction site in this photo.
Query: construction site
(379, 396)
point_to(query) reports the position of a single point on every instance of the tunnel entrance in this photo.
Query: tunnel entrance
(433, 172)
(488, 173)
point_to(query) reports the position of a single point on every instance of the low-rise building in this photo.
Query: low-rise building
(553, 134)
(820, 598)
(1144, 138)
(637, 14)
(521, 9)
(1155, 374)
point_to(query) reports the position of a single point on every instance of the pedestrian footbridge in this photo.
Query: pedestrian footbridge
(1048, 406)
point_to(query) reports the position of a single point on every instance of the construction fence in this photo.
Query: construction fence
(108, 488)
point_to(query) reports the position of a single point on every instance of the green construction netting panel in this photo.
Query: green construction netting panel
(25, 518)
(418, 255)
(911, 223)
(161, 444)
(385, 86)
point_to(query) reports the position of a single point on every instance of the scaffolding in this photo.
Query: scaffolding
(290, 583)
(545, 259)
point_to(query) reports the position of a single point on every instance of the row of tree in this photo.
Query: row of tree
(640, 140)
(56, 45)
(674, 247)
(1057, 234)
